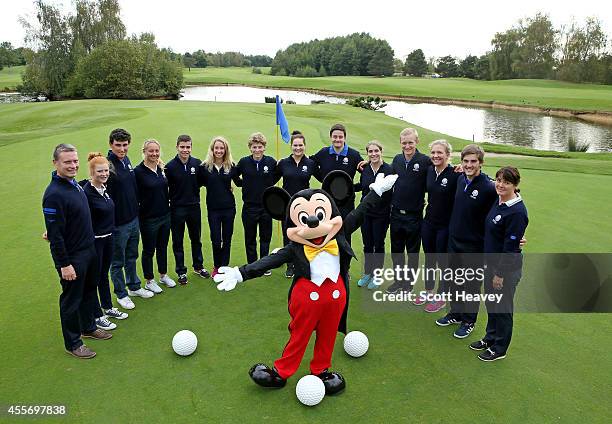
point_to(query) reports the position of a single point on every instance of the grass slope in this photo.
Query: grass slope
(10, 77)
(541, 93)
(413, 371)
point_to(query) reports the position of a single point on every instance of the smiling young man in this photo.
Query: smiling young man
(337, 157)
(258, 173)
(71, 239)
(185, 208)
(407, 205)
(474, 197)
(123, 190)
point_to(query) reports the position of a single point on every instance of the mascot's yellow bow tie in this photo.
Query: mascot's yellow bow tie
(330, 247)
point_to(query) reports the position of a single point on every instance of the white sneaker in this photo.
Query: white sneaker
(115, 313)
(152, 286)
(126, 302)
(145, 294)
(169, 282)
(105, 324)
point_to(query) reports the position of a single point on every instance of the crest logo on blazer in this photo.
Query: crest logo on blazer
(497, 219)
(444, 182)
(304, 168)
(474, 194)
(192, 170)
(265, 168)
(345, 161)
(416, 167)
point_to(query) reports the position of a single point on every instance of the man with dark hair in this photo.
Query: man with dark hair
(338, 156)
(71, 239)
(474, 197)
(182, 174)
(122, 189)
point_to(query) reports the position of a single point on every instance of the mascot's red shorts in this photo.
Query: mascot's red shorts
(312, 308)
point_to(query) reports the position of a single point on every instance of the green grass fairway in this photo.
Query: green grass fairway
(10, 78)
(541, 93)
(558, 368)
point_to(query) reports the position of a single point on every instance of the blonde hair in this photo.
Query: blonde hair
(443, 143)
(209, 162)
(374, 143)
(144, 148)
(257, 137)
(96, 158)
(409, 131)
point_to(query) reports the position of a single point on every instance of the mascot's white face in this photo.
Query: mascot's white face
(313, 220)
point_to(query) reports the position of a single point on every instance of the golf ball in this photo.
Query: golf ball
(310, 390)
(184, 343)
(356, 344)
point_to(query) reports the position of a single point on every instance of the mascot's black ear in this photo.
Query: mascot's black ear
(275, 201)
(339, 185)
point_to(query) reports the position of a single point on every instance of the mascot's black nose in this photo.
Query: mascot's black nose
(312, 221)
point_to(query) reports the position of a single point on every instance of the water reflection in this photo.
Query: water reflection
(470, 123)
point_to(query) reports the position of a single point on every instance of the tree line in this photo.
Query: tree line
(533, 48)
(86, 53)
(11, 56)
(201, 59)
(355, 54)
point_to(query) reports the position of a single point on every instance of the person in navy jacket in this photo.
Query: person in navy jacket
(407, 205)
(295, 171)
(216, 173)
(376, 220)
(441, 188)
(71, 240)
(122, 189)
(257, 171)
(505, 226)
(153, 215)
(102, 210)
(338, 157)
(474, 197)
(182, 174)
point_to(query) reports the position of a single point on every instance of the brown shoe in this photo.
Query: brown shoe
(82, 352)
(98, 334)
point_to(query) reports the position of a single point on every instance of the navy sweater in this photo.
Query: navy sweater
(326, 162)
(368, 177)
(296, 177)
(102, 210)
(67, 219)
(440, 195)
(183, 181)
(219, 186)
(409, 189)
(504, 227)
(256, 177)
(152, 192)
(122, 189)
(473, 200)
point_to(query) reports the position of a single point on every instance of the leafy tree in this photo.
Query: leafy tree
(467, 67)
(482, 68)
(537, 48)
(415, 64)
(188, 61)
(505, 53)
(583, 52)
(447, 67)
(381, 63)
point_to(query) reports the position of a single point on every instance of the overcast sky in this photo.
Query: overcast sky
(438, 27)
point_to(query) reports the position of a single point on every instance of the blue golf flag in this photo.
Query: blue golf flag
(282, 121)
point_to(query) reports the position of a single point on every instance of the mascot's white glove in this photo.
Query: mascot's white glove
(227, 278)
(383, 183)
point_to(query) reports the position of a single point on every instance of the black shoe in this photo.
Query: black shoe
(333, 382)
(398, 286)
(202, 273)
(289, 273)
(479, 345)
(266, 376)
(182, 279)
(490, 356)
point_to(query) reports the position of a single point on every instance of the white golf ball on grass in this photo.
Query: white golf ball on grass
(356, 344)
(184, 343)
(310, 390)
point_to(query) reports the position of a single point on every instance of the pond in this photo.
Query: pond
(471, 123)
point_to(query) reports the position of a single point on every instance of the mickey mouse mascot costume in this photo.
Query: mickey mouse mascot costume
(318, 297)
